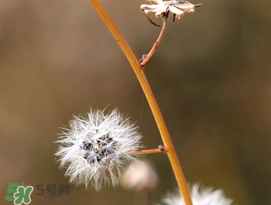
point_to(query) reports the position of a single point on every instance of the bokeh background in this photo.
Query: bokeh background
(211, 76)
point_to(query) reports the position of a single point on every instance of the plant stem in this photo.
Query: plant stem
(150, 151)
(173, 158)
(156, 44)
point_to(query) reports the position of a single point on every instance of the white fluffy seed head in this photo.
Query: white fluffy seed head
(204, 196)
(95, 148)
(139, 176)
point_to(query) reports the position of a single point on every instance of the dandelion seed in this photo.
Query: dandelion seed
(206, 196)
(162, 8)
(96, 147)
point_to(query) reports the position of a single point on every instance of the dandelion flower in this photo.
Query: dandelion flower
(161, 8)
(96, 147)
(139, 176)
(206, 196)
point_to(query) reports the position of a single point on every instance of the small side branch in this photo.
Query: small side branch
(146, 58)
(160, 149)
(151, 21)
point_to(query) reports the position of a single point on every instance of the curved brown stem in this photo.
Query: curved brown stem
(147, 58)
(172, 155)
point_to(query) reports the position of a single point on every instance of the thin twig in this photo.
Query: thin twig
(151, 151)
(156, 44)
(173, 158)
(151, 21)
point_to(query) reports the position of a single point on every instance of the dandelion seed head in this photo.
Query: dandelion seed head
(94, 148)
(140, 176)
(204, 196)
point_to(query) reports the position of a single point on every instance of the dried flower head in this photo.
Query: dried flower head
(206, 196)
(95, 148)
(162, 8)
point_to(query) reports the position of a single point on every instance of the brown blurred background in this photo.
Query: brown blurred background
(211, 76)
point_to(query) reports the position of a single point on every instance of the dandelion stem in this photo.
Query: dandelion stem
(156, 44)
(173, 158)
